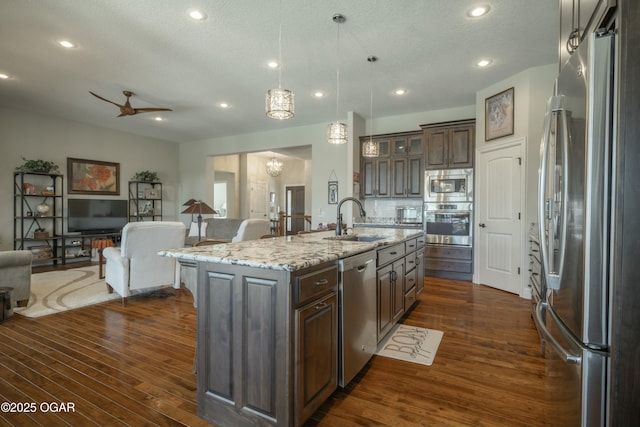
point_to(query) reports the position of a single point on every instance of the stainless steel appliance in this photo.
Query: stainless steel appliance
(449, 223)
(574, 211)
(448, 185)
(409, 215)
(357, 339)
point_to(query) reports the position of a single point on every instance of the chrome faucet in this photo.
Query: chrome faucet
(339, 221)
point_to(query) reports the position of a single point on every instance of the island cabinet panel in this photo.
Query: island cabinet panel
(244, 357)
(390, 287)
(316, 355)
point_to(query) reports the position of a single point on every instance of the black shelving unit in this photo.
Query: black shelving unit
(145, 201)
(38, 212)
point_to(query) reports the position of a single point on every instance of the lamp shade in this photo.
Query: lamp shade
(199, 207)
(189, 202)
(279, 104)
(337, 133)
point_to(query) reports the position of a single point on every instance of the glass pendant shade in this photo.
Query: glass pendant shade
(370, 149)
(337, 133)
(279, 104)
(274, 167)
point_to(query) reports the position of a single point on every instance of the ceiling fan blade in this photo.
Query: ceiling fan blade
(148, 110)
(105, 99)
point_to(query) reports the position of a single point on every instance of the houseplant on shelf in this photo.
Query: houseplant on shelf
(146, 176)
(38, 166)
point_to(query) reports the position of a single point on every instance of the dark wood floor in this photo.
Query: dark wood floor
(132, 366)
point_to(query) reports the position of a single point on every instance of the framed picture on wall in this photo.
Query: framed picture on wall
(333, 192)
(498, 115)
(93, 177)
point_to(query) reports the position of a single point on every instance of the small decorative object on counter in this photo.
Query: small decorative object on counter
(146, 176)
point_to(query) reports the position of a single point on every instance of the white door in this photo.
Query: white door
(258, 200)
(498, 225)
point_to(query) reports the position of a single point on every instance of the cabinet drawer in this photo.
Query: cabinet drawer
(409, 298)
(315, 284)
(392, 253)
(410, 261)
(449, 265)
(455, 252)
(410, 245)
(420, 241)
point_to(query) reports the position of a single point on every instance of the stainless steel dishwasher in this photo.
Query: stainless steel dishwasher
(356, 314)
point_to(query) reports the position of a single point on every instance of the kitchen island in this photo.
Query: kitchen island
(268, 324)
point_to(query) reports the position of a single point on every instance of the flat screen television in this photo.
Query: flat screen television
(96, 216)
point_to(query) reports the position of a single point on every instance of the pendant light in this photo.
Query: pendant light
(279, 103)
(336, 131)
(371, 148)
(274, 167)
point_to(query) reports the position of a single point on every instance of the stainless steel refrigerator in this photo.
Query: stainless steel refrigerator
(574, 217)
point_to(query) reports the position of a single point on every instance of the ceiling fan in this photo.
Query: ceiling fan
(127, 109)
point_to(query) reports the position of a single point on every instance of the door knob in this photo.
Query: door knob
(483, 225)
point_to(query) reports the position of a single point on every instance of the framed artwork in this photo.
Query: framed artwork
(498, 115)
(93, 177)
(333, 192)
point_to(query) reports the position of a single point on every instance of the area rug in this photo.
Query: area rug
(61, 290)
(411, 344)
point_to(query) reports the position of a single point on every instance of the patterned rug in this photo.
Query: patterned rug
(56, 291)
(411, 344)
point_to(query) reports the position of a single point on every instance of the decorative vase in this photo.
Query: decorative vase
(43, 209)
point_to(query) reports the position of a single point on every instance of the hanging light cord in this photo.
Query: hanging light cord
(338, 73)
(280, 48)
(371, 60)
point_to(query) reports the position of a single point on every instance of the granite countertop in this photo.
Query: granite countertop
(292, 253)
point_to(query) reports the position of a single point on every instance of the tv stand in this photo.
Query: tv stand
(78, 247)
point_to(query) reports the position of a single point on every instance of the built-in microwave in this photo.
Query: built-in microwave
(448, 185)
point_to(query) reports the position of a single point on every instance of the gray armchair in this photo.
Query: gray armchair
(15, 272)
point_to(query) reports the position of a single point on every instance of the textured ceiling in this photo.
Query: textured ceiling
(154, 49)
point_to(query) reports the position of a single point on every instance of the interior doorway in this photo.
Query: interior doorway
(294, 206)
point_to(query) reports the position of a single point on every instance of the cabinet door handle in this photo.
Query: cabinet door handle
(393, 253)
(321, 306)
(321, 282)
(417, 260)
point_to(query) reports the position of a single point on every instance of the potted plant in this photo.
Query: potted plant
(146, 176)
(40, 166)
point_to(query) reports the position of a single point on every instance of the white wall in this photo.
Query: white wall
(326, 158)
(532, 88)
(33, 136)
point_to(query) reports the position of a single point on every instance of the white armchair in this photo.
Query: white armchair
(136, 263)
(252, 229)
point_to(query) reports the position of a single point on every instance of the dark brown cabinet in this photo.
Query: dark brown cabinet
(455, 262)
(449, 145)
(399, 169)
(390, 287)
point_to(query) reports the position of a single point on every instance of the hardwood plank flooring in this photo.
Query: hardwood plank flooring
(132, 365)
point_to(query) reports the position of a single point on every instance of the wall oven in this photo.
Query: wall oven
(449, 223)
(448, 185)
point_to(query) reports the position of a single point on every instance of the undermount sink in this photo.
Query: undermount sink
(355, 238)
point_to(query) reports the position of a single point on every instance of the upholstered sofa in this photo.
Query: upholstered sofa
(15, 272)
(215, 228)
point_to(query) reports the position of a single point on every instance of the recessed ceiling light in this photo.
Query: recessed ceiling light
(4, 76)
(483, 63)
(400, 92)
(272, 64)
(318, 94)
(223, 105)
(478, 11)
(67, 44)
(196, 14)
(158, 119)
